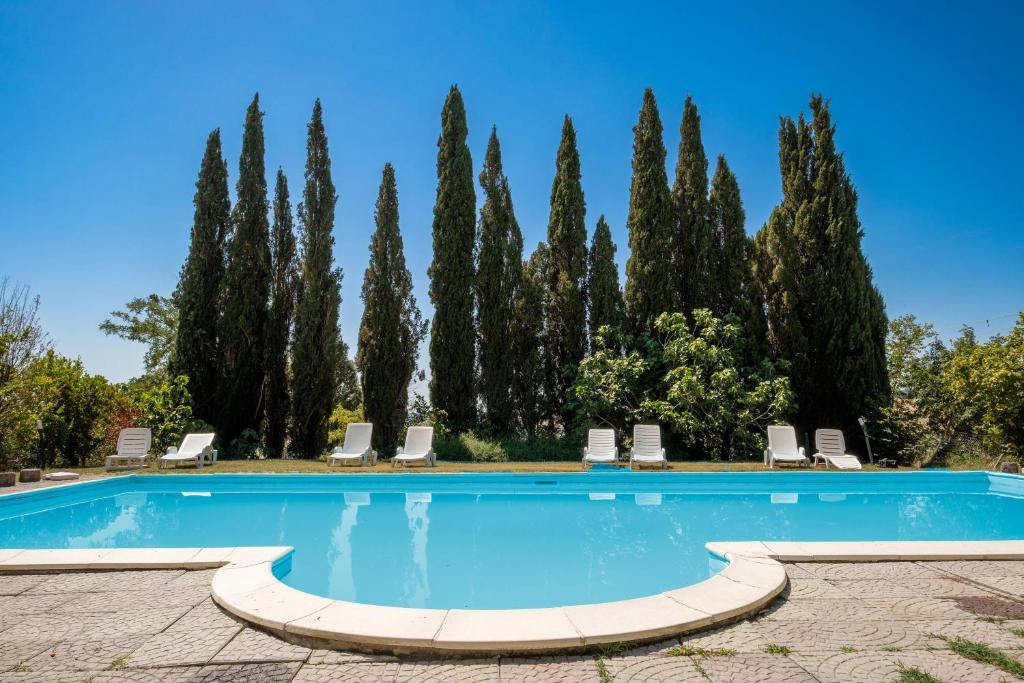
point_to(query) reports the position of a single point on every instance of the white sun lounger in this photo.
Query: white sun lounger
(418, 448)
(600, 448)
(647, 448)
(782, 447)
(132, 449)
(196, 449)
(832, 450)
(357, 450)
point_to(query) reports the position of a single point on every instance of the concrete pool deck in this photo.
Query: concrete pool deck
(842, 622)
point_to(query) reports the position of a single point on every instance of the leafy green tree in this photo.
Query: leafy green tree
(452, 331)
(151, 320)
(566, 323)
(316, 347)
(731, 245)
(247, 282)
(197, 351)
(282, 308)
(22, 343)
(694, 255)
(349, 392)
(825, 316)
(615, 388)
(392, 326)
(650, 289)
(499, 270)
(166, 410)
(529, 341)
(603, 293)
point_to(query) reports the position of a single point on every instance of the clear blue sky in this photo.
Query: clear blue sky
(105, 108)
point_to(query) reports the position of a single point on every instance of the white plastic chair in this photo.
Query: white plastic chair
(357, 449)
(647, 449)
(132, 449)
(831, 447)
(782, 447)
(418, 448)
(600, 447)
(195, 448)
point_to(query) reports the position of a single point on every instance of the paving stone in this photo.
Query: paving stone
(992, 635)
(971, 568)
(830, 636)
(915, 608)
(654, 669)
(266, 672)
(741, 637)
(27, 603)
(318, 657)
(439, 671)
(206, 615)
(350, 672)
(115, 601)
(905, 588)
(250, 645)
(194, 577)
(848, 667)
(580, 669)
(89, 582)
(14, 652)
(761, 668)
(182, 647)
(868, 570)
(83, 655)
(1014, 585)
(12, 584)
(817, 589)
(835, 610)
(947, 666)
(794, 571)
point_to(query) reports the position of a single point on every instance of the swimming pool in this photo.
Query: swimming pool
(503, 541)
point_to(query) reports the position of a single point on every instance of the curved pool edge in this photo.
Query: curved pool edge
(245, 585)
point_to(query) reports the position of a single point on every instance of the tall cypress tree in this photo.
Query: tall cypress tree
(317, 348)
(566, 323)
(730, 241)
(529, 341)
(606, 307)
(499, 270)
(282, 307)
(196, 350)
(650, 286)
(824, 313)
(694, 251)
(452, 333)
(392, 326)
(246, 314)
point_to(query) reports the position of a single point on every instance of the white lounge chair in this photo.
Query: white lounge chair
(647, 449)
(357, 450)
(132, 449)
(418, 448)
(600, 448)
(832, 450)
(782, 447)
(195, 448)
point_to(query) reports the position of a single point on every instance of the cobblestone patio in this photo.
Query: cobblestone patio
(838, 622)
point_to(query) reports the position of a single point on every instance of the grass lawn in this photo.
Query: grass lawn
(316, 466)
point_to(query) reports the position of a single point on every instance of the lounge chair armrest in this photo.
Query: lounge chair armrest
(586, 451)
(663, 452)
(172, 450)
(802, 452)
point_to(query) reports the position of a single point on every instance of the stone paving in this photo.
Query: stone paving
(836, 622)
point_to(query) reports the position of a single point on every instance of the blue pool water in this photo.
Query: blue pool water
(506, 541)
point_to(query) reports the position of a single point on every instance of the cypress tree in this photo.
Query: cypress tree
(247, 278)
(392, 326)
(317, 346)
(694, 250)
(603, 291)
(196, 350)
(824, 313)
(566, 323)
(730, 241)
(650, 289)
(282, 307)
(452, 334)
(529, 343)
(499, 270)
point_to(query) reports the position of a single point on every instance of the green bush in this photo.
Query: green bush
(468, 447)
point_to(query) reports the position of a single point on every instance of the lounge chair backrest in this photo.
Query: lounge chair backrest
(195, 443)
(601, 441)
(830, 441)
(419, 439)
(782, 439)
(357, 437)
(134, 441)
(647, 440)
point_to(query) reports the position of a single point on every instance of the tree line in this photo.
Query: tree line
(258, 334)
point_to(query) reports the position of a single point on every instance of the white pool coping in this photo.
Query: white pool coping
(245, 586)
